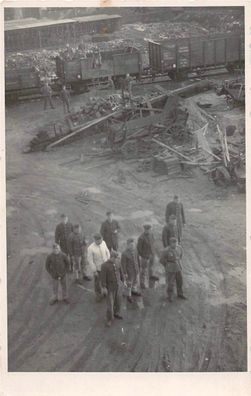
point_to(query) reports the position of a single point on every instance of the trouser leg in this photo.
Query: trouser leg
(117, 301)
(143, 272)
(135, 283)
(51, 104)
(45, 103)
(129, 288)
(64, 287)
(150, 266)
(97, 285)
(77, 266)
(55, 288)
(84, 263)
(171, 276)
(179, 283)
(110, 305)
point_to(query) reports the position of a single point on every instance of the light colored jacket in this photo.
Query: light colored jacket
(97, 255)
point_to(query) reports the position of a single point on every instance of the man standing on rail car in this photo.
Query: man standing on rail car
(146, 250)
(110, 229)
(57, 265)
(77, 247)
(169, 231)
(97, 254)
(112, 279)
(171, 260)
(47, 93)
(65, 97)
(176, 208)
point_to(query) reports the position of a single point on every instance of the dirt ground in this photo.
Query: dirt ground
(205, 333)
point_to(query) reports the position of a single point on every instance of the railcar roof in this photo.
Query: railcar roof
(22, 24)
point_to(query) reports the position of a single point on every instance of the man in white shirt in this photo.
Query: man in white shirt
(97, 254)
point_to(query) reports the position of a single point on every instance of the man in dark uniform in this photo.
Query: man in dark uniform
(145, 248)
(111, 281)
(65, 97)
(176, 208)
(47, 93)
(62, 233)
(77, 248)
(170, 230)
(171, 260)
(57, 265)
(130, 268)
(109, 231)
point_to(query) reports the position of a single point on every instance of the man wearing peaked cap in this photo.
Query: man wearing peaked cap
(146, 250)
(176, 208)
(111, 282)
(169, 230)
(171, 260)
(130, 267)
(109, 230)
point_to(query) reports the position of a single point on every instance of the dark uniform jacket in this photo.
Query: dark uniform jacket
(108, 234)
(65, 96)
(145, 245)
(62, 234)
(111, 275)
(76, 244)
(169, 231)
(171, 259)
(175, 208)
(129, 264)
(57, 265)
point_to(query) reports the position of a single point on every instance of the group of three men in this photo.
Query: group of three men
(134, 268)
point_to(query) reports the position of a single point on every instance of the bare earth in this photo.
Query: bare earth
(205, 333)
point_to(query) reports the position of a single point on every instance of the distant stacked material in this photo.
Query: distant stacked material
(166, 165)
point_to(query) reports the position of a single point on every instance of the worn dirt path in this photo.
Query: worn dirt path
(205, 333)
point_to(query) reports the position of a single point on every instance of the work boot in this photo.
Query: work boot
(129, 299)
(182, 297)
(108, 323)
(117, 316)
(154, 277)
(136, 293)
(66, 301)
(87, 278)
(54, 301)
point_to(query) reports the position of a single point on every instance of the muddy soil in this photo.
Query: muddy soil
(207, 332)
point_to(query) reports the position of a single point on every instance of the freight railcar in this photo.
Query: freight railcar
(20, 35)
(80, 72)
(21, 82)
(178, 57)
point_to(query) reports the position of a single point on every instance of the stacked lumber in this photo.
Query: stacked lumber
(166, 165)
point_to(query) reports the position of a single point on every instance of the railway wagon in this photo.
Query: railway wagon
(21, 82)
(178, 57)
(20, 35)
(78, 73)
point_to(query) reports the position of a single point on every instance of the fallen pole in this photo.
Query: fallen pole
(172, 149)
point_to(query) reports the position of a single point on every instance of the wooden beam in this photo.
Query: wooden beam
(82, 128)
(172, 149)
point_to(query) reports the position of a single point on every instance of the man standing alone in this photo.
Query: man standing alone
(109, 231)
(57, 265)
(97, 254)
(111, 282)
(47, 93)
(176, 208)
(65, 97)
(171, 260)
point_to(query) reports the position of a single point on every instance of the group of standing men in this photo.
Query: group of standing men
(112, 272)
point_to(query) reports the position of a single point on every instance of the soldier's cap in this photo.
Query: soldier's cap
(114, 254)
(173, 217)
(97, 236)
(130, 240)
(147, 226)
(109, 212)
(63, 216)
(175, 197)
(173, 239)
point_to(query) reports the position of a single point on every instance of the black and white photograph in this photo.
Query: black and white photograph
(125, 136)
